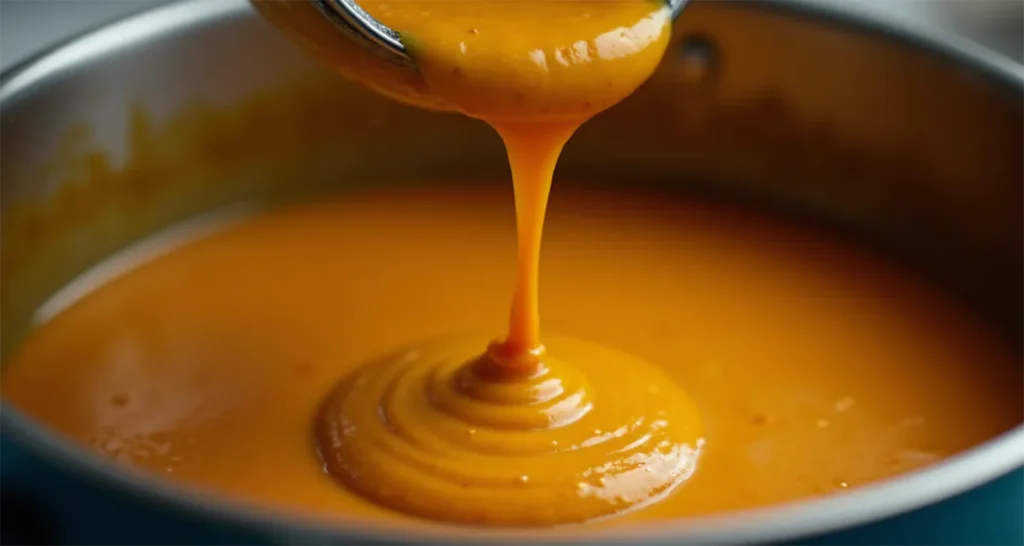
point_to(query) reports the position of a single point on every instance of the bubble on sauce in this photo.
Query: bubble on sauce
(822, 423)
(911, 422)
(844, 404)
(912, 458)
(126, 450)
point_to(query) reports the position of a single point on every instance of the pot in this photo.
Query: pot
(900, 137)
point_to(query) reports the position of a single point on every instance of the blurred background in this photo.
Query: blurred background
(29, 25)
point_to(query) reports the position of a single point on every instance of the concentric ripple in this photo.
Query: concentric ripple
(437, 432)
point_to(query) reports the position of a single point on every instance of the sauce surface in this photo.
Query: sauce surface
(815, 368)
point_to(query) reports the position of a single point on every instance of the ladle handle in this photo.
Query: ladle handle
(677, 7)
(352, 19)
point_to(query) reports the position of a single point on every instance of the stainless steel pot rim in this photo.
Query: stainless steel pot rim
(804, 518)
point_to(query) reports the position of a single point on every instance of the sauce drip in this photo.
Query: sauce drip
(512, 436)
(451, 441)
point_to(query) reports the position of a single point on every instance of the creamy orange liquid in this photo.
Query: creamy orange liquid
(815, 368)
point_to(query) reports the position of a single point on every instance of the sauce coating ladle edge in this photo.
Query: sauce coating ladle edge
(352, 19)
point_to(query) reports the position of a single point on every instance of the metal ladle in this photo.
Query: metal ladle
(348, 16)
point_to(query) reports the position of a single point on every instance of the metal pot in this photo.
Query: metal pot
(897, 136)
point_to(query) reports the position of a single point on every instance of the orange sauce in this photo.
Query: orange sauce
(816, 368)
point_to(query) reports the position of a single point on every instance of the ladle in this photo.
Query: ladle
(352, 19)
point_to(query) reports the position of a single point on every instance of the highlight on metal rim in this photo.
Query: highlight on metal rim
(350, 14)
(677, 7)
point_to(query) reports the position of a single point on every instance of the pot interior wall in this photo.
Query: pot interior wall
(883, 140)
